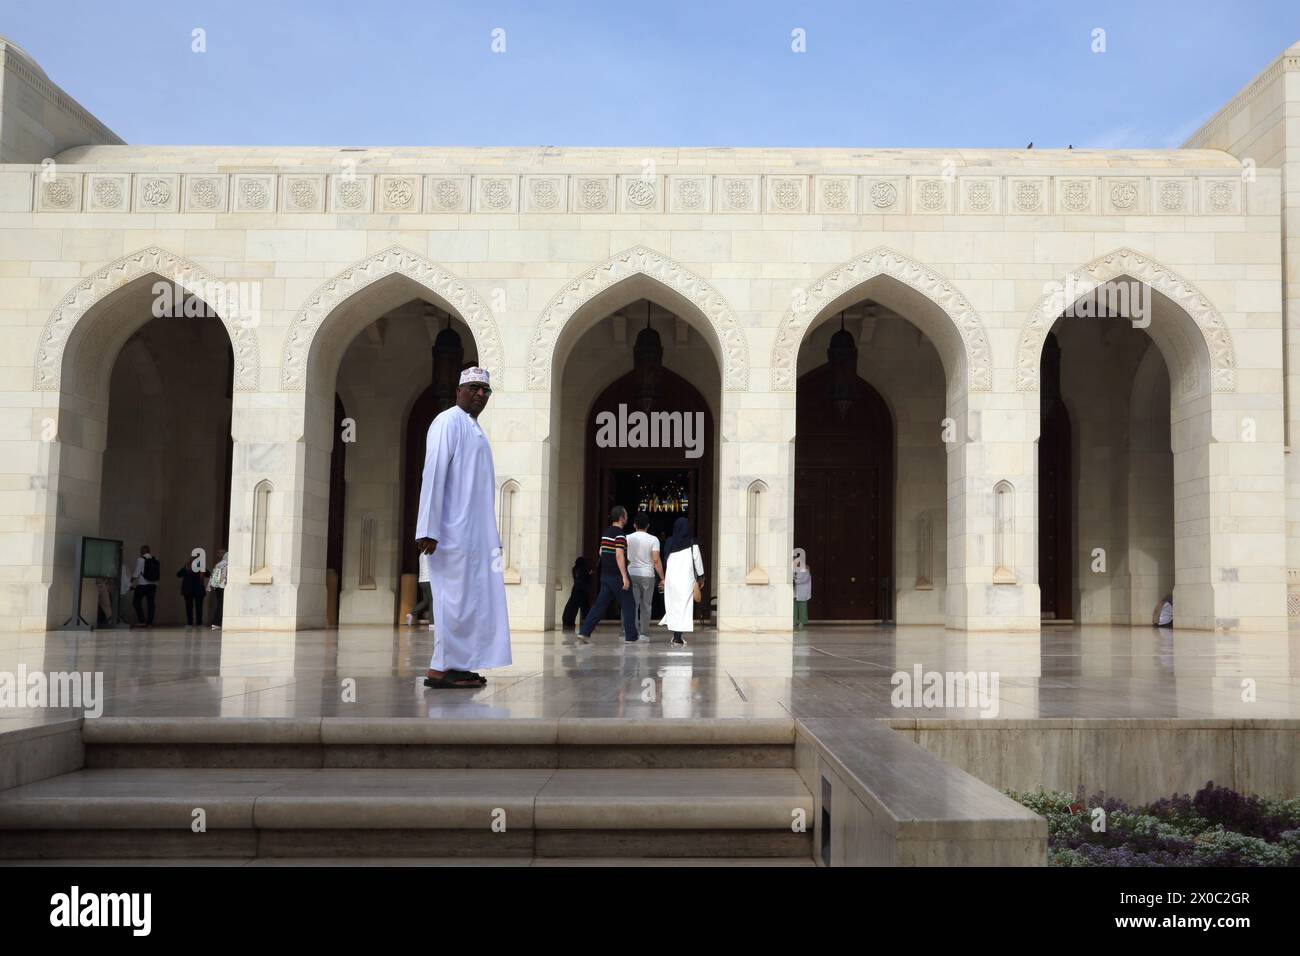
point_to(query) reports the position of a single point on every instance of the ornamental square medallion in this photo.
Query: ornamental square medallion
(1027, 196)
(640, 193)
(449, 194)
(399, 193)
(881, 195)
(1221, 197)
(61, 193)
(737, 193)
(1124, 197)
(787, 194)
(981, 196)
(496, 193)
(592, 193)
(157, 192)
(350, 192)
(834, 194)
(544, 194)
(302, 193)
(1074, 195)
(108, 192)
(929, 195)
(255, 193)
(690, 194)
(1174, 197)
(204, 192)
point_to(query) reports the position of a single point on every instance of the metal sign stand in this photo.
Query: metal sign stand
(76, 622)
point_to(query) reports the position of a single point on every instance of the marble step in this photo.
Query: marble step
(351, 861)
(333, 813)
(412, 743)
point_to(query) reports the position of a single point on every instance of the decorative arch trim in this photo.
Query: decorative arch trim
(47, 368)
(843, 278)
(1223, 363)
(640, 260)
(395, 259)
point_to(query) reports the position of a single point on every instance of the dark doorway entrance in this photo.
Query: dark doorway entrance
(662, 480)
(337, 514)
(844, 480)
(1055, 500)
(664, 494)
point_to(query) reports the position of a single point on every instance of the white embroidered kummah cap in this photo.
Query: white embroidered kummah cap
(474, 375)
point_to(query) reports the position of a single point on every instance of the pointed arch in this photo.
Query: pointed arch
(640, 260)
(300, 341)
(62, 327)
(976, 371)
(1126, 262)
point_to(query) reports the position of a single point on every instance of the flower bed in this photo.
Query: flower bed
(1215, 827)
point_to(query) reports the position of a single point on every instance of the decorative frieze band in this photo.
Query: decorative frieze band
(596, 193)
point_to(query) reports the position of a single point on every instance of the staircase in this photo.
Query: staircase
(470, 791)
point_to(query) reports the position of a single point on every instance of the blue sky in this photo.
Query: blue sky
(667, 73)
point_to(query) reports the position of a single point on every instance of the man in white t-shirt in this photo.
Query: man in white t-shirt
(426, 595)
(644, 569)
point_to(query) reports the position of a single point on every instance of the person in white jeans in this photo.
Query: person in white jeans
(644, 569)
(426, 596)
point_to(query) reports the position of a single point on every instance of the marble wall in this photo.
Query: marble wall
(967, 262)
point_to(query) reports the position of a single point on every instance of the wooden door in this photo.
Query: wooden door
(843, 500)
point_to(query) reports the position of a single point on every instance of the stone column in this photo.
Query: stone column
(757, 444)
(283, 437)
(1229, 512)
(994, 439)
(517, 425)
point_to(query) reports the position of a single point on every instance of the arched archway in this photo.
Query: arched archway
(900, 350)
(397, 374)
(367, 334)
(1182, 321)
(146, 370)
(645, 273)
(936, 306)
(349, 302)
(591, 351)
(78, 325)
(1130, 364)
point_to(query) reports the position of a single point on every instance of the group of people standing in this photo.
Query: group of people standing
(629, 567)
(142, 585)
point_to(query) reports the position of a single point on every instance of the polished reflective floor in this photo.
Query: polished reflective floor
(1088, 671)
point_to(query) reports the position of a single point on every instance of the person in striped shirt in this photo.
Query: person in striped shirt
(614, 582)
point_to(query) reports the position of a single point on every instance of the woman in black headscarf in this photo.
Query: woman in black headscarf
(580, 596)
(683, 567)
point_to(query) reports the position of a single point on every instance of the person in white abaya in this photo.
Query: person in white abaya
(457, 529)
(683, 567)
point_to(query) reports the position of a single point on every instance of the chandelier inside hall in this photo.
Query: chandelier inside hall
(656, 495)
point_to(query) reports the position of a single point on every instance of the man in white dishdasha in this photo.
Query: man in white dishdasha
(457, 529)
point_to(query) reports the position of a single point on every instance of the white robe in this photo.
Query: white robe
(457, 495)
(679, 589)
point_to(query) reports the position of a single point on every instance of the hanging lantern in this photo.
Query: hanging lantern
(648, 359)
(448, 357)
(843, 357)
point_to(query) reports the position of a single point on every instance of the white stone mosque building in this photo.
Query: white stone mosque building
(982, 389)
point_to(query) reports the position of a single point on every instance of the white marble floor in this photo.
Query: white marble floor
(1089, 671)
